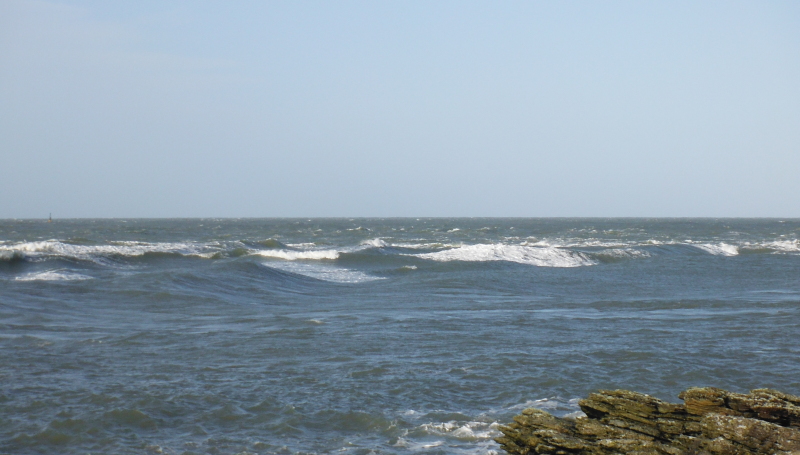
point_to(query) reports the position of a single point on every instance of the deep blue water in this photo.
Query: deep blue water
(362, 336)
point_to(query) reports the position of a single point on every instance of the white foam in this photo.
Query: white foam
(718, 249)
(325, 272)
(93, 252)
(301, 245)
(426, 246)
(293, 255)
(577, 243)
(538, 256)
(374, 243)
(784, 246)
(53, 275)
(319, 254)
(624, 253)
(469, 431)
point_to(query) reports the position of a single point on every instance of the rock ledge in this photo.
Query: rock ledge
(711, 421)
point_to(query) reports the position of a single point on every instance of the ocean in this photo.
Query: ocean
(373, 336)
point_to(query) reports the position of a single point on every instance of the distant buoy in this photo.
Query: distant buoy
(50, 219)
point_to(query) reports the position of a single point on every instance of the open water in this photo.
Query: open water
(373, 336)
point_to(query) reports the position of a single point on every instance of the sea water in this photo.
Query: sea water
(371, 336)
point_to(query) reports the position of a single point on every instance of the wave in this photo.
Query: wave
(542, 252)
(53, 275)
(579, 243)
(299, 245)
(470, 434)
(425, 246)
(324, 272)
(293, 255)
(11, 256)
(374, 243)
(321, 254)
(56, 248)
(464, 431)
(619, 254)
(718, 249)
(537, 256)
(778, 246)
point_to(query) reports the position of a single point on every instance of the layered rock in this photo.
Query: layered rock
(711, 421)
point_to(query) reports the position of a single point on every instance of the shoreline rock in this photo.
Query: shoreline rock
(711, 421)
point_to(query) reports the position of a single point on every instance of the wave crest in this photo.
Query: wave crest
(718, 249)
(53, 275)
(324, 272)
(537, 256)
(293, 255)
(49, 248)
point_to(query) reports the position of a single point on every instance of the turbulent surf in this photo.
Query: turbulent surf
(281, 336)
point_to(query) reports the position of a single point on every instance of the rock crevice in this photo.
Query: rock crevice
(711, 421)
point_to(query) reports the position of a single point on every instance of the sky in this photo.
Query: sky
(405, 108)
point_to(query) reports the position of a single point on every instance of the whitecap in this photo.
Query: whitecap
(718, 249)
(537, 256)
(784, 246)
(325, 272)
(301, 245)
(624, 253)
(319, 254)
(425, 246)
(576, 243)
(53, 275)
(469, 431)
(293, 255)
(374, 243)
(49, 248)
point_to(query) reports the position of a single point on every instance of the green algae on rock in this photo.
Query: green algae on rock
(710, 422)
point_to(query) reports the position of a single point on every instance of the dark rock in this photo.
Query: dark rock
(710, 422)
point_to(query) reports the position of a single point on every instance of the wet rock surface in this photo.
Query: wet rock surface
(711, 421)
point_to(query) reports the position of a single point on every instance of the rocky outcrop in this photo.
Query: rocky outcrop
(710, 422)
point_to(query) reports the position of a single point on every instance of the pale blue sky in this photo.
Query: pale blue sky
(182, 109)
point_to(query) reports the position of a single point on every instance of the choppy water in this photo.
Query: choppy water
(373, 335)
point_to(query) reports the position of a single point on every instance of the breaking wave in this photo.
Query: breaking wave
(618, 254)
(11, 256)
(718, 249)
(465, 431)
(324, 272)
(779, 246)
(56, 248)
(320, 254)
(537, 256)
(53, 275)
(293, 255)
